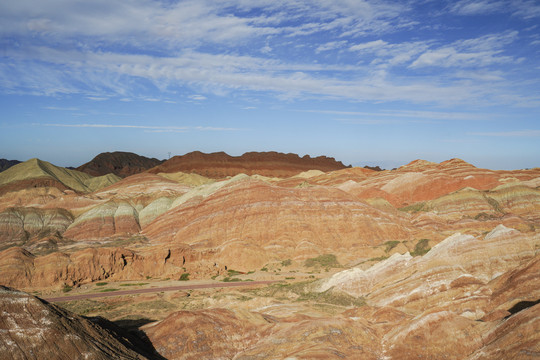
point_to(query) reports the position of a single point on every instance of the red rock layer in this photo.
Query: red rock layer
(272, 164)
(32, 183)
(119, 163)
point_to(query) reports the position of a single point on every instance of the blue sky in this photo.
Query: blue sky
(367, 82)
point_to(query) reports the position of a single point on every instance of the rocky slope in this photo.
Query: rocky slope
(119, 163)
(220, 165)
(31, 328)
(465, 299)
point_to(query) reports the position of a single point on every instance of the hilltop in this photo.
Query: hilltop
(39, 173)
(119, 163)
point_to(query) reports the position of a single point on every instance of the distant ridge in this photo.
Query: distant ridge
(6, 164)
(120, 163)
(39, 173)
(273, 164)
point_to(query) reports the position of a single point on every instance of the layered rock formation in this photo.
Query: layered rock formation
(22, 225)
(31, 328)
(119, 163)
(220, 165)
(251, 222)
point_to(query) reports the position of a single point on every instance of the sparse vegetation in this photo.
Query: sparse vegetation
(303, 291)
(109, 290)
(134, 284)
(495, 205)
(414, 208)
(229, 279)
(380, 258)
(234, 272)
(390, 245)
(326, 261)
(101, 283)
(287, 262)
(264, 269)
(421, 247)
(184, 277)
(67, 288)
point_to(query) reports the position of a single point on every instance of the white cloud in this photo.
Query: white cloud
(477, 7)
(332, 45)
(482, 51)
(197, 97)
(372, 45)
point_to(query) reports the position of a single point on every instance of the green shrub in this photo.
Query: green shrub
(380, 258)
(326, 260)
(67, 288)
(390, 245)
(421, 248)
(184, 277)
(109, 290)
(101, 284)
(287, 262)
(134, 284)
(414, 208)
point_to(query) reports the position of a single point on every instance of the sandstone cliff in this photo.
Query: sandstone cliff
(220, 165)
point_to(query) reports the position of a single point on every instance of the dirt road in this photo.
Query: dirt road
(156, 290)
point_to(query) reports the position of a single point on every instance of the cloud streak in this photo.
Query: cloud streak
(143, 127)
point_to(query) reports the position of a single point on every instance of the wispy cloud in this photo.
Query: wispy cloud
(144, 49)
(477, 7)
(519, 133)
(144, 127)
(526, 9)
(477, 52)
(61, 108)
(410, 114)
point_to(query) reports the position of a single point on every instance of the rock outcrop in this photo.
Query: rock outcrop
(119, 163)
(220, 165)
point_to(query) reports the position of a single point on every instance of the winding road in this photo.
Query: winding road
(156, 290)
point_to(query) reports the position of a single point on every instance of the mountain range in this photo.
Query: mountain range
(434, 260)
